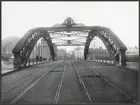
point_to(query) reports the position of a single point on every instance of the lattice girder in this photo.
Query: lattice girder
(110, 40)
(26, 44)
(24, 47)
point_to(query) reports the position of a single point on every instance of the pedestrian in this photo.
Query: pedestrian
(37, 58)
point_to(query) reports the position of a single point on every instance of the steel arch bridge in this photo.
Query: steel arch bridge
(83, 36)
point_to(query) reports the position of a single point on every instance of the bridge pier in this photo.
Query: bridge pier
(17, 60)
(122, 58)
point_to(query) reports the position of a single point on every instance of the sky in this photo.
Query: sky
(120, 17)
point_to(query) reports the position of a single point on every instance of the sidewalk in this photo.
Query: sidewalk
(6, 71)
(6, 68)
(133, 65)
(129, 65)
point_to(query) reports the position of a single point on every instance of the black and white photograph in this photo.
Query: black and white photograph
(70, 52)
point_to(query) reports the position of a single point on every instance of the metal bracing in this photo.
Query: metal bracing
(68, 33)
(72, 38)
(24, 47)
(111, 41)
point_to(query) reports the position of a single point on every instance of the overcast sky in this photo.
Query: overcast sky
(120, 17)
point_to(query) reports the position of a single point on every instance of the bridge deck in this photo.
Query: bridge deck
(48, 83)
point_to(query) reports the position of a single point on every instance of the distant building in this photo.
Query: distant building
(70, 55)
(94, 53)
(132, 51)
(78, 53)
(61, 54)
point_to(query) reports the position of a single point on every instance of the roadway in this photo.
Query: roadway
(69, 82)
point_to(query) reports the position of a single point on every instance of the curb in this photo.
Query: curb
(134, 70)
(15, 70)
(128, 68)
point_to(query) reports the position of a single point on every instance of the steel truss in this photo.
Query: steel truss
(111, 41)
(68, 33)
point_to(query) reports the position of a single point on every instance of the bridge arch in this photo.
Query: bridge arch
(24, 47)
(114, 45)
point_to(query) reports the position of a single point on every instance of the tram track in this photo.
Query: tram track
(55, 86)
(82, 84)
(24, 73)
(60, 85)
(31, 86)
(19, 81)
(106, 80)
(35, 82)
(76, 85)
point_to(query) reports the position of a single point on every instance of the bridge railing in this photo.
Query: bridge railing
(132, 58)
(33, 61)
(102, 59)
(129, 58)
